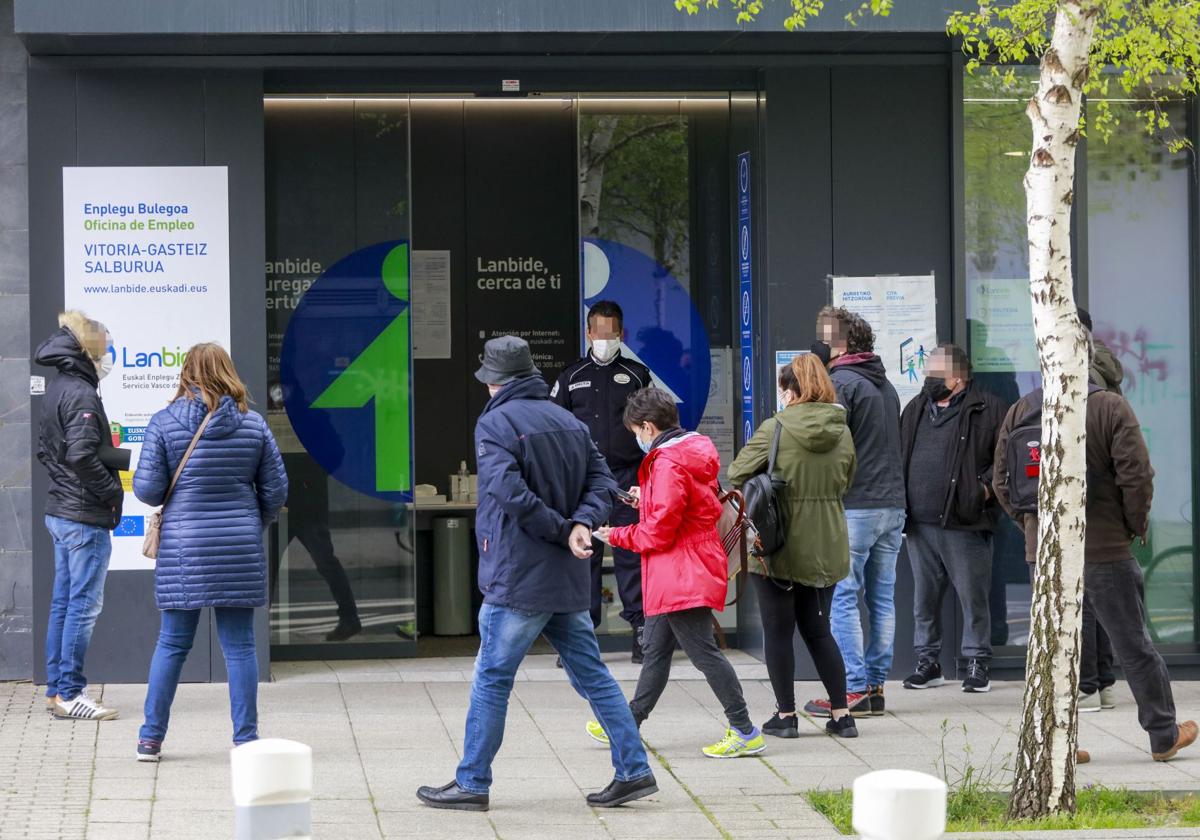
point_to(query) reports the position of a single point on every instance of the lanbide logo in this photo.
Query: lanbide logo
(163, 357)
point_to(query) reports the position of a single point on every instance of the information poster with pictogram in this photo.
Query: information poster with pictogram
(902, 310)
(146, 253)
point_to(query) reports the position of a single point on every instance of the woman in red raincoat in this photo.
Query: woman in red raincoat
(683, 566)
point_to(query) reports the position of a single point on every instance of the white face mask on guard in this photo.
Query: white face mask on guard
(104, 365)
(605, 350)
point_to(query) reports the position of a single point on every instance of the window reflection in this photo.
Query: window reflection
(1138, 288)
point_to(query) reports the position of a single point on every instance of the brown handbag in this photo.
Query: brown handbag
(154, 525)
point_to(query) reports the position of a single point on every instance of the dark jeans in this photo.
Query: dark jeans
(627, 566)
(1096, 654)
(694, 631)
(1117, 593)
(783, 610)
(941, 558)
(235, 629)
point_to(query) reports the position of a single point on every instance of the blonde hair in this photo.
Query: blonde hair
(91, 335)
(807, 379)
(209, 370)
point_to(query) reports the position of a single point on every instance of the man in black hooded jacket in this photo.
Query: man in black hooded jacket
(82, 507)
(874, 508)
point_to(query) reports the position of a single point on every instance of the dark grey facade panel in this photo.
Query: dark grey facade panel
(17, 522)
(129, 118)
(228, 17)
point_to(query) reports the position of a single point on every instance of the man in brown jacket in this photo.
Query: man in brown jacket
(1120, 487)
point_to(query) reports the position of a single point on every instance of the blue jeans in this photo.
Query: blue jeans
(875, 537)
(81, 554)
(235, 629)
(505, 635)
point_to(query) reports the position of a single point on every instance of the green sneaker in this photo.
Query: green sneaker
(734, 745)
(596, 731)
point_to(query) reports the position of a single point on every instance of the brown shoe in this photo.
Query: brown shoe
(1082, 756)
(1186, 737)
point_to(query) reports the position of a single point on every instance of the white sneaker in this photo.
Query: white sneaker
(1108, 698)
(1089, 702)
(82, 707)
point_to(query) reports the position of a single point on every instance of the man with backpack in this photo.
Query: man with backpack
(874, 509)
(1120, 485)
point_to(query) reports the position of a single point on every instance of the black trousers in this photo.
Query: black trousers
(694, 631)
(784, 610)
(1096, 654)
(1117, 594)
(627, 566)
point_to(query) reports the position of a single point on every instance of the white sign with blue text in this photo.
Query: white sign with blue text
(146, 252)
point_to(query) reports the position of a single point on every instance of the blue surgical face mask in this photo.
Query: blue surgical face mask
(644, 446)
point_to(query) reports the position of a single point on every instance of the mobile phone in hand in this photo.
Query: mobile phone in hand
(627, 497)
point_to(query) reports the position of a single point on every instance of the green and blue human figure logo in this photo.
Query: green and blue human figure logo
(346, 371)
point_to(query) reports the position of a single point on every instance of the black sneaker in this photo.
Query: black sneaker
(843, 727)
(875, 692)
(782, 727)
(927, 675)
(977, 681)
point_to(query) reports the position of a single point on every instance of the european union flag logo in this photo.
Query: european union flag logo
(130, 526)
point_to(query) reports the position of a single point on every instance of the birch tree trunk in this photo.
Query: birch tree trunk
(1045, 762)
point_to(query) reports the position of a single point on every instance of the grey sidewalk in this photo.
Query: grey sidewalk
(381, 728)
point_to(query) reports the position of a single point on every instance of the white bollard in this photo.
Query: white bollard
(272, 789)
(899, 805)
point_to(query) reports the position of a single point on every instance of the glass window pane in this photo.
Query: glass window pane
(338, 349)
(996, 138)
(654, 222)
(1138, 290)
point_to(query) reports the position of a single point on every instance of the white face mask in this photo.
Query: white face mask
(605, 350)
(104, 365)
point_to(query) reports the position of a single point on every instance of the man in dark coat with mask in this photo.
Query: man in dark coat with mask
(948, 434)
(543, 489)
(83, 505)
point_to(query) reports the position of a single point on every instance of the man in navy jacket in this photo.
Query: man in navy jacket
(543, 488)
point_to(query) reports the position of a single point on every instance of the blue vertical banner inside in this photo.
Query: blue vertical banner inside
(745, 294)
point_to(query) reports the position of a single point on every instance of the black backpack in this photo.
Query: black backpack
(1024, 453)
(764, 508)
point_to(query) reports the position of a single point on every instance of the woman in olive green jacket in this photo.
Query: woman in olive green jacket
(795, 585)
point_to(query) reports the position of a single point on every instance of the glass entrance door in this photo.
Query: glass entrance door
(490, 216)
(337, 280)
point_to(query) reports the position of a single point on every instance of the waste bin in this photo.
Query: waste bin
(452, 576)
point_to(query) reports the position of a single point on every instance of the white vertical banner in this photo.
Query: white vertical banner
(902, 311)
(146, 252)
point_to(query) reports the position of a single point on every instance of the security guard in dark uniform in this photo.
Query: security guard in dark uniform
(595, 389)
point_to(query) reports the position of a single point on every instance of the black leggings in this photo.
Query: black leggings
(783, 610)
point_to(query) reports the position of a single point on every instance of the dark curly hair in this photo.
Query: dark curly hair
(860, 338)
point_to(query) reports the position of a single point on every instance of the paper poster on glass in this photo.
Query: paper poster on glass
(902, 311)
(1002, 337)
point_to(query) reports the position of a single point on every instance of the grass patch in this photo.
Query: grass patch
(1099, 808)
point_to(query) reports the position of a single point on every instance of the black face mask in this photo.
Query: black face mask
(935, 388)
(822, 351)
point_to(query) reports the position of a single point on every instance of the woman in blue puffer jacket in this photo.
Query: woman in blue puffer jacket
(211, 551)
